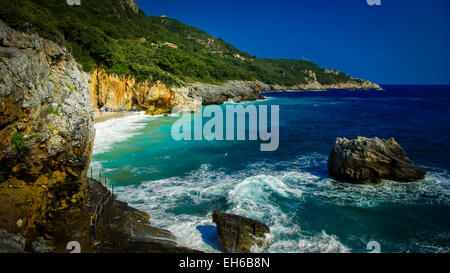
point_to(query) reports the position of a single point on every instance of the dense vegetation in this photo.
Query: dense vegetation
(109, 34)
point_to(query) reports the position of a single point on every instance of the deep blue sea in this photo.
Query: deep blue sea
(180, 183)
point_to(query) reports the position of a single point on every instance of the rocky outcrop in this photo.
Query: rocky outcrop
(123, 229)
(11, 243)
(126, 93)
(46, 135)
(367, 161)
(131, 4)
(238, 91)
(46, 139)
(312, 83)
(352, 84)
(119, 228)
(238, 234)
(235, 91)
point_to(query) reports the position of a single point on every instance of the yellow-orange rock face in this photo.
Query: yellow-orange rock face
(124, 93)
(46, 136)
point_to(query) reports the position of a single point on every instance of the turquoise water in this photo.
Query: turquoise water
(181, 183)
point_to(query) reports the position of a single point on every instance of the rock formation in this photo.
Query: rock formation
(46, 132)
(236, 91)
(126, 93)
(238, 234)
(368, 161)
(130, 3)
(11, 243)
(313, 84)
(123, 229)
(46, 138)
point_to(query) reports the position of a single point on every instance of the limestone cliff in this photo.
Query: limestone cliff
(130, 3)
(46, 135)
(312, 83)
(238, 91)
(46, 139)
(126, 93)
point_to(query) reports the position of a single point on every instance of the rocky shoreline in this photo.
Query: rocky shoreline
(114, 227)
(47, 135)
(123, 229)
(124, 93)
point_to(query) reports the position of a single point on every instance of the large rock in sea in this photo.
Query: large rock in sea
(369, 161)
(238, 234)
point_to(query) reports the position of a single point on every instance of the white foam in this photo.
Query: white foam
(118, 130)
(434, 189)
(257, 187)
(320, 243)
(260, 191)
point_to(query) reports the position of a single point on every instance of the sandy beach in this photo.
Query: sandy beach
(109, 115)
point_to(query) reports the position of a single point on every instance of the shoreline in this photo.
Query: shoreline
(105, 116)
(321, 242)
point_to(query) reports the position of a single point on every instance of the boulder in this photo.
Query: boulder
(369, 161)
(238, 234)
(123, 229)
(40, 245)
(11, 243)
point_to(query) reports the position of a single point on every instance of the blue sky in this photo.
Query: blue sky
(401, 41)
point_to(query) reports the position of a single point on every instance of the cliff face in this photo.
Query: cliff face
(126, 93)
(46, 135)
(312, 83)
(235, 91)
(46, 139)
(238, 91)
(131, 3)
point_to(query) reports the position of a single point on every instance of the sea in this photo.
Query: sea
(180, 183)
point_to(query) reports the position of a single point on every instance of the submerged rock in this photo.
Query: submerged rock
(368, 161)
(11, 243)
(238, 234)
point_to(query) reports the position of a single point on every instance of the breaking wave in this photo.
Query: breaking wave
(118, 130)
(181, 204)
